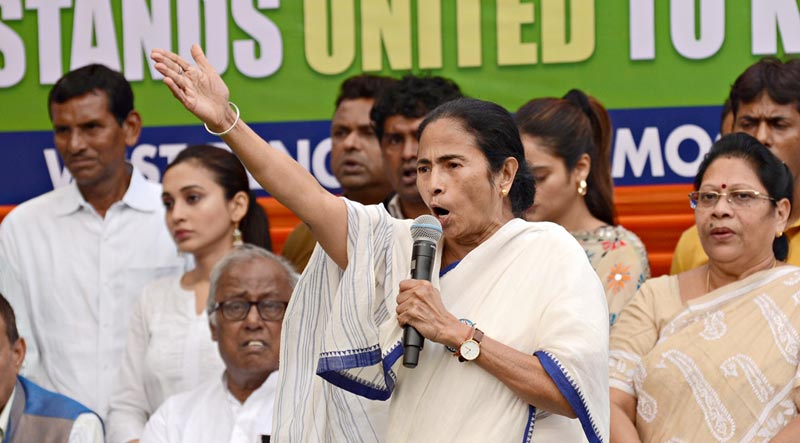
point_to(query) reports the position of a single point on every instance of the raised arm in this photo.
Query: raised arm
(203, 93)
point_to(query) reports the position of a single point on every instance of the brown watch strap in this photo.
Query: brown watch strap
(477, 335)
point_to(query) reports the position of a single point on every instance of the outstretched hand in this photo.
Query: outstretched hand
(199, 88)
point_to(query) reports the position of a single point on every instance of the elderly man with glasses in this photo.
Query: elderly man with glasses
(237, 408)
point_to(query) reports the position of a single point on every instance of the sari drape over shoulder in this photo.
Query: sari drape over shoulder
(722, 367)
(529, 286)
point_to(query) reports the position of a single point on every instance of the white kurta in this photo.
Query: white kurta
(169, 351)
(529, 286)
(211, 413)
(73, 278)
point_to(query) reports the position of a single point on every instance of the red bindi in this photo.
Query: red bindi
(724, 186)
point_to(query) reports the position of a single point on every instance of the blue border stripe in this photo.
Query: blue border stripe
(531, 422)
(448, 268)
(571, 393)
(333, 368)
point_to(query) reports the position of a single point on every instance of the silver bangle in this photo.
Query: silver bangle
(220, 134)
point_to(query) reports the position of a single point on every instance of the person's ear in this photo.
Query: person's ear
(132, 127)
(213, 327)
(582, 168)
(505, 177)
(18, 351)
(237, 206)
(782, 210)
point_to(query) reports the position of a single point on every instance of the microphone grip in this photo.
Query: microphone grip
(422, 257)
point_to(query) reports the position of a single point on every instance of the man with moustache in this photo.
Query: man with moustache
(74, 260)
(396, 116)
(238, 407)
(766, 104)
(355, 157)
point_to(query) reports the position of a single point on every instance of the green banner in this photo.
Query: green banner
(284, 60)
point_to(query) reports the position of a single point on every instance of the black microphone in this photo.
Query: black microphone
(426, 232)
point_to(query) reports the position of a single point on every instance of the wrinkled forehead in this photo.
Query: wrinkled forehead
(254, 279)
(764, 105)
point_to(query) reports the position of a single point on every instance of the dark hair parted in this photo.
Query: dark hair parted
(230, 174)
(498, 139)
(779, 80)
(412, 97)
(568, 128)
(95, 78)
(363, 86)
(7, 313)
(773, 174)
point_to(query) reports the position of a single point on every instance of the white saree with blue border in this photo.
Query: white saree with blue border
(529, 286)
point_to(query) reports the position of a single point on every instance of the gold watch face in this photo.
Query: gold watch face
(470, 350)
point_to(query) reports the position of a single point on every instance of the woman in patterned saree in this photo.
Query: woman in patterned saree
(568, 143)
(712, 353)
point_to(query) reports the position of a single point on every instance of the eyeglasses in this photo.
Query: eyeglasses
(236, 310)
(741, 198)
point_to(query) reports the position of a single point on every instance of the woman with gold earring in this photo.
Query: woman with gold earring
(568, 144)
(209, 211)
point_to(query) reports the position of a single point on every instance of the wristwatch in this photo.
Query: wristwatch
(467, 322)
(471, 348)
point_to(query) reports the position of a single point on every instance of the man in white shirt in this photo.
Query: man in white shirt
(74, 260)
(238, 407)
(30, 413)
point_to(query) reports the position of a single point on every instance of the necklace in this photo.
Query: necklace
(708, 274)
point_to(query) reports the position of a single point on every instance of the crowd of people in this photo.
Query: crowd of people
(126, 305)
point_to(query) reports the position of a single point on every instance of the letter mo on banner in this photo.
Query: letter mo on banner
(661, 146)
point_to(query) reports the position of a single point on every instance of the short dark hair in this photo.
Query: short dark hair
(779, 80)
(91, 78)
(7, 313)
(230, 174)
(497, 137)
(773, 174)
(363, 86)
(569, 127)
(412, 97)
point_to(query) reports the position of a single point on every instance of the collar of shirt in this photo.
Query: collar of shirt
(258, 405)
(134, 197)
(393, 207)
(6, 414)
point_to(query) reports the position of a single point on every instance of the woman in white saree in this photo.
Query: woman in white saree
(541, 370)
(712, 353)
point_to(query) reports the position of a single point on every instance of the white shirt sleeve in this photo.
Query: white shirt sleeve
(157, 428)
(87, 429)
(129, 408)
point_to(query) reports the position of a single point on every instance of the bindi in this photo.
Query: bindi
(724, 186)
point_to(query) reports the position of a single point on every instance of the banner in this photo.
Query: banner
(662, 68)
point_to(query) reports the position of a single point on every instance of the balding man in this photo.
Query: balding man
(238, 407)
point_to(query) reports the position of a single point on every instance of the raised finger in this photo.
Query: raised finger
(171, 76)
(176, 90)
(200, 58)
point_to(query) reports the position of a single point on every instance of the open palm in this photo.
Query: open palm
(198, 87)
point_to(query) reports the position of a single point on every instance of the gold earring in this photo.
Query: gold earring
(582, 187)
(779, 234)
(504, 192)
(237, 237)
